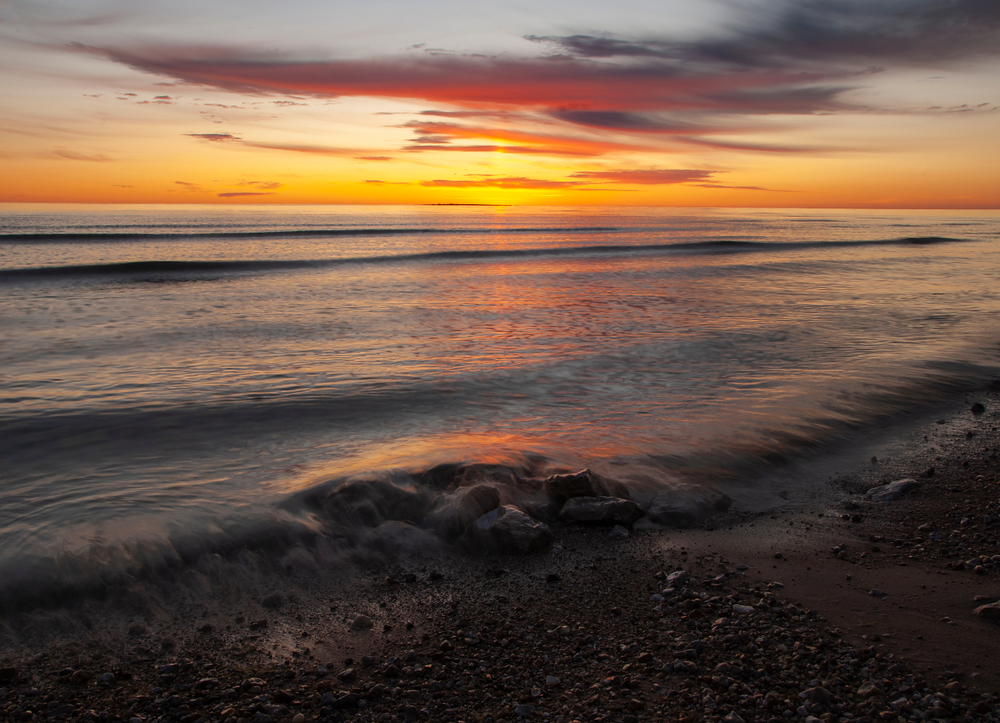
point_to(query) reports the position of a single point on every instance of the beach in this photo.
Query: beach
(829, 605)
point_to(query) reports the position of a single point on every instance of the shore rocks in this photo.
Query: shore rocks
(601, 510)
(514, 530)
(687, 505)
(990, 611)
(455, 515)
(563, 487)
(892, 491)
(371, 502)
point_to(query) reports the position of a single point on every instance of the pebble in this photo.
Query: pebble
(362, 622)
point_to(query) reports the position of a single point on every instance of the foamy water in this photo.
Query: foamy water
(171, 375)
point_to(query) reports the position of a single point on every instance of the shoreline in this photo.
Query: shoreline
(475, 636)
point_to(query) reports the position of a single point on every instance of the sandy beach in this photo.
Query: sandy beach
(829, 607)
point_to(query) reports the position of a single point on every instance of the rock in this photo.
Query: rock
(687, 505)
(524, 711)
(514, 530)
(817, 695)
(892, 491)
(8, 673)
(875, 592)
(346, 674)
(745, 609)
(551, 680)
(676, 578)
(606, 510)
(618, 531)
(733, 718)
(563, 487)
(977, 408)
(869, 689)
(79, 677)
(372, 502)
(452, 517)
(362, 622)
(299, 718)
(988, 612)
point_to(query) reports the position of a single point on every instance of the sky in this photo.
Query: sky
(742, 103)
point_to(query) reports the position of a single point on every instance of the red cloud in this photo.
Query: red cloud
(477, 82)
(435, 135)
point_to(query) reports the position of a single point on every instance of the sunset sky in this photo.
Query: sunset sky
(841, 103)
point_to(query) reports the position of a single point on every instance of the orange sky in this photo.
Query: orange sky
(785, 104)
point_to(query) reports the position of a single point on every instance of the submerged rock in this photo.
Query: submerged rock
(892, 491)
(601, 510)
(562, 487)
(514, 530)
(687, 505)
(372, 502)
(455, 515)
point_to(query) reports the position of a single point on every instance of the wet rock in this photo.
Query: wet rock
(892, 491)
(875, 592)
(618, 531)
(79, 677)
(687, 505)
(524, 711)
(514, 530)
(453, 516)
(372, 502)
(977, 408)
(562, 487)
(601, 510)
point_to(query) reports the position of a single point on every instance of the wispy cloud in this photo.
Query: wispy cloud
(214, 137)
(647, 176)
(76, 156)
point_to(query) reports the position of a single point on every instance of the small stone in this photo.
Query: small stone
(893, 491)
(745, 609)
(817, 695)
(733, 718)
(869, 689)
(79, 677)
(299, 718)
(524, 711)
(875, 592)
(346, 674)
(551, 680)
(977, 408)
(362, 622)
(618, 531)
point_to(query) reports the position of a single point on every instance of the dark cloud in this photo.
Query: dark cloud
(920, 32)
(214, 137)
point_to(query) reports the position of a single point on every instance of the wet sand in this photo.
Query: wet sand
(773, 617)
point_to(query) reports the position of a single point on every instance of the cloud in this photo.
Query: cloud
(295, 148)
(506, 182)
(75, 156)
(373, 158)
(648, 176)
(439, 136)
(214, 137)
(237, 194)
(267, 185)
(189, 186)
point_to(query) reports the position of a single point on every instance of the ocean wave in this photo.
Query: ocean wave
(175, 269)
(63, 237)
